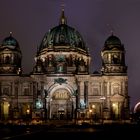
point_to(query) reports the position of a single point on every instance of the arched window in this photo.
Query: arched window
(7, 59)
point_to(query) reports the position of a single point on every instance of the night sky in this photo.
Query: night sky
(29, 20)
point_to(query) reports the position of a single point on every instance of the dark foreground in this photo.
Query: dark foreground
(94, 132)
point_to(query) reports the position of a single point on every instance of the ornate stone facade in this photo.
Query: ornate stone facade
(60, 85)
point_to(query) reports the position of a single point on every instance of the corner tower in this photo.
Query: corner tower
(10, 56)
(113, 57)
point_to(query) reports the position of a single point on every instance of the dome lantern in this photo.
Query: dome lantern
(63, 19)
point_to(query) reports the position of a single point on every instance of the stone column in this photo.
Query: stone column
(47, 107)
(86, 93)
(101, 88)
(34, 86)
(78, 95)
(13, 89)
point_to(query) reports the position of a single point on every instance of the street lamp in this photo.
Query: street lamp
(94, 112)
(102, 100)
(27, 115)
(28, 111)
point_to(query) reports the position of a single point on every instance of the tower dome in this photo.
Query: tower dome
(113, 56)
(10, 56)
(11, 43)
(113, 42)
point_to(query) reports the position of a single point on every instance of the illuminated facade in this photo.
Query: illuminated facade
(60, 85)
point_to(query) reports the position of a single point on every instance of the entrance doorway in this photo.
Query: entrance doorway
(61, 105)
(61, 114)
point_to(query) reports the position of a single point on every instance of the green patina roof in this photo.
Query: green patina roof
(62, 35)
(113, 40)
(10, 42)
(113, 43)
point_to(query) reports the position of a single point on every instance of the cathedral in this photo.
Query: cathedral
(60, 85)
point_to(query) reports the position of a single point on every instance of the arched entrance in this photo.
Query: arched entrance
(5, 105)
(61, 105)
(5, 110)
(117, 102)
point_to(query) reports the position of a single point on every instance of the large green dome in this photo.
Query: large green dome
(62, 35)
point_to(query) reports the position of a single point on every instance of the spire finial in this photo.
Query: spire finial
(62, 5)
(63, 19)
(111, 29)
(10, 33)
(112, 32)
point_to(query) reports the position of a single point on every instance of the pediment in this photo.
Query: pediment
(117, 98)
